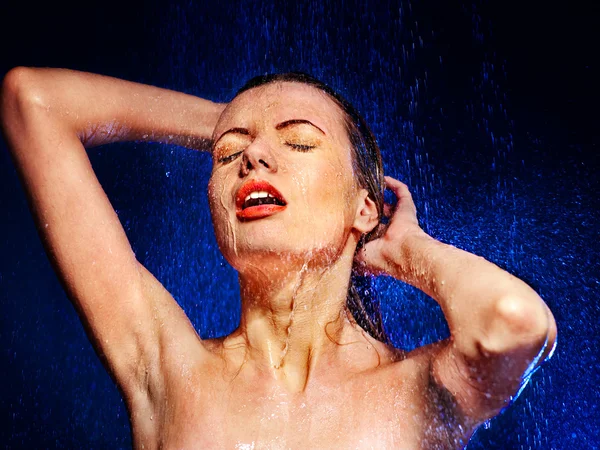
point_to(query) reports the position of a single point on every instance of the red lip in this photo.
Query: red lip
(260, 211)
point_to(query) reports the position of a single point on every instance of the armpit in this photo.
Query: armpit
(450, 427)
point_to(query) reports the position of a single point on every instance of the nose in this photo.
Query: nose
(258, 156)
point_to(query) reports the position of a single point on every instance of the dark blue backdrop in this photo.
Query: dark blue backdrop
(483, 108)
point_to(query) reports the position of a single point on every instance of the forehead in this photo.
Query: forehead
(276, 102)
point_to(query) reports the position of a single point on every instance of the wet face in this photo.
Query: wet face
(282, 185)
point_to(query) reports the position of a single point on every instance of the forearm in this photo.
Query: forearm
(483, 304)
(99, 109)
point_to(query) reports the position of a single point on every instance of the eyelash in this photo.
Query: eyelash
(300, 147)
(227, 159)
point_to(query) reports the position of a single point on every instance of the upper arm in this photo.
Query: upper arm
(482, 385)
(121, 305)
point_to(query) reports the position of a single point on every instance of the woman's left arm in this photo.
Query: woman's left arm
(501, 330)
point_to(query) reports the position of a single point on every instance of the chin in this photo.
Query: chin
(282, 242)
(276, 254)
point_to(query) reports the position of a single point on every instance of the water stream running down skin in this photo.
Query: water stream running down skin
(486, 177)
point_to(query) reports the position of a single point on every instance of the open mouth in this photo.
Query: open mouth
(256, 199)
(261, 198)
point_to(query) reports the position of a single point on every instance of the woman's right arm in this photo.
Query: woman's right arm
(48, 117)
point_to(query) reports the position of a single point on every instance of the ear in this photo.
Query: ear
(366, 217)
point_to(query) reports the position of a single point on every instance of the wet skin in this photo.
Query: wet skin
(298, 372)
(366, 395)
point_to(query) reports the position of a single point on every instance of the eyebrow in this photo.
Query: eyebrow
(235, 131)
(282, 125)
(287, 123)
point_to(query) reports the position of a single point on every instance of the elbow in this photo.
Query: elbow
(521, 322)
(523, 316)
(20, 92)
(23, 102)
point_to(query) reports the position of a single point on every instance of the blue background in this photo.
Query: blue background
(486, 109)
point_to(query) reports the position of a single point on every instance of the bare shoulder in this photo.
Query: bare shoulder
(417, 359)
(420, 360)
(429, 406)
(409, 369)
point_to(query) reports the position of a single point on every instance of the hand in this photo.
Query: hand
(403, 223)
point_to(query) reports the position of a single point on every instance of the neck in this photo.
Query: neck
(295, 320)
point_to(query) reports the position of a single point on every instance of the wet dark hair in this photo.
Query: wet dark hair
(368, 169)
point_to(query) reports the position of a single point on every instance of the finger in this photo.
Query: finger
(405, 200)
(396, 186)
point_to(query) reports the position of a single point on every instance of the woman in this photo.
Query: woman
(296, 199)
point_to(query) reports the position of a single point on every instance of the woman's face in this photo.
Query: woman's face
(282, 184)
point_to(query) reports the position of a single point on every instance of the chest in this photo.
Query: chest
(364, 412)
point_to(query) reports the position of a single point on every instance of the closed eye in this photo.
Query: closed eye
(228, 159)
(300, 147)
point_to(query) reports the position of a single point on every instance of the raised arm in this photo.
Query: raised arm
(48, 115)
(501, 330)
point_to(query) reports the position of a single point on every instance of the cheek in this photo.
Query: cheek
(219, 198)
(214, 186)
(326, 188)
(335, 180)
(218, 185)
(220, 202)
